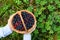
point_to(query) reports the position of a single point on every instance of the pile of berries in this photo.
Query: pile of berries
(27, 18)
(17, 23)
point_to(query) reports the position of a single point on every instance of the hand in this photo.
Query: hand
(27, 36)
(5, 31)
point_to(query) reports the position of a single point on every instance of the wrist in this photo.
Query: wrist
(27, 37)
(6, 30)
(1, 33)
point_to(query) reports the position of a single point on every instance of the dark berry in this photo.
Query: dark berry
(31, 19)
(19, 27)
(14, 21)
(28, 19)
(16, 18)
(28, 26)
(24, 14)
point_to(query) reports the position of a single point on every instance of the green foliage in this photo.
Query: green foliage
(38, 11)
(51, 7)
(11, 11)
(30, 8)
(43, 30)
(36, 32)
(43, 2)
(26, 1)
(47, 13)
(37, 1)
(18, 2)
(58, 18)
(4, 8)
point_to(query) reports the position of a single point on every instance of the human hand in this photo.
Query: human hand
(5, 31)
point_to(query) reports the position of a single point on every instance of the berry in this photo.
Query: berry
(24, 14)
(17, 23)
(28, 19)
(28, 26)
(14, 21)
(16, 18)
(20, 27)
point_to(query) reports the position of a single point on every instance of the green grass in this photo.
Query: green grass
(47, 13)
